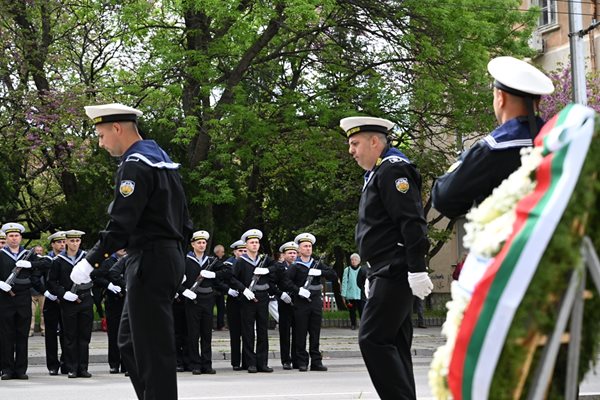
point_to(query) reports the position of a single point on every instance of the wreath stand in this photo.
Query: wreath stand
(571, 309)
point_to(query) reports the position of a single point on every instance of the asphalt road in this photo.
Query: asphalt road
(347, 378)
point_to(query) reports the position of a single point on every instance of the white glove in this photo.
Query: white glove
(233, 293)
(314, 272)
(304, 293)
(207, 274)
(367, 288)
(249, 294)
(81, 272)
(70, 296)
(5, 286)
(286, 298)
(420, 284)
(261, 271)
(23, 264)
(189, 294)
(114, 288)
(50, 296)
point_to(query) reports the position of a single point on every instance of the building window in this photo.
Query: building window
(547, 12)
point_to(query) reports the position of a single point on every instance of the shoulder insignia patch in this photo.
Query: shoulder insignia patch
(127, 188)
(402, 185)
(395, 159)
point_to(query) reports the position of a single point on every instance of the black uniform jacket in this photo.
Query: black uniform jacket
(149, 203)
(481, 168)
(59, 279)
(279, 277)
(193, 266)
(101, 276)
(391, 226)
(243, 272)
(26, 278)
(297, 274)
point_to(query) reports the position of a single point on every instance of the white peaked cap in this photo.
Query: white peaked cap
(523, 78)
(113, 112)
(305, 237)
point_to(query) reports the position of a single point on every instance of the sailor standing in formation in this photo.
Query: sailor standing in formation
(234, 312)
(52, 316)
(287, 327)
(305, 283)
(76, 306)
(15, 303)
(202, 273)
(250, 279)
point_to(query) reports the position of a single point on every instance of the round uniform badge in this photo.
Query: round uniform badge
(127, 188)
(402, 185)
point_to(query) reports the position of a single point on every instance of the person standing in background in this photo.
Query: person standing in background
(351, 292)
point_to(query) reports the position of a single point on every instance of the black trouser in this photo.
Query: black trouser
(98, 293)
(181, 336)
(220, 303)
(256, 312)
(114, 310)
(307, 317)
(385, 338)
(287, 326)
(53, 335)
(234, 320)
(77, 320)
(15, 318)
(147, 334)
(354, 306)
(199, 318)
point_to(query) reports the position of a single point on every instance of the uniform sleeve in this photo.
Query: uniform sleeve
(53, 280)
(115, 273)
(467, 181)
(400, 190)
(235, 281)
(132, 190)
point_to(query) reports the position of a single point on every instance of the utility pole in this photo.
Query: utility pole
(577, 55)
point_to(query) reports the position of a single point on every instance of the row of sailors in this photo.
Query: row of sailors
(249, 278)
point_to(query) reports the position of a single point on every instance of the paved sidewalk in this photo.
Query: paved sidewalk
(335, 342)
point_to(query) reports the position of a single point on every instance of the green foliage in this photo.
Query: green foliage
(247, 96)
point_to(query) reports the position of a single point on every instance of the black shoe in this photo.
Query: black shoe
(114, 371)
(180, 369)
(21, 376)
(6, 377)
(126, 373)
(287, 366)
(53, 372)
(84, 374)
(237, 368)
(302, 368)
(72, 375)
(252, 369)
(209, 371)
(318, 367)
(353, 327)
(265, 369)
(422, 326)
(196, 371)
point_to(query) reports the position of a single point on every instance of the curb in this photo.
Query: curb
(273, 355)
